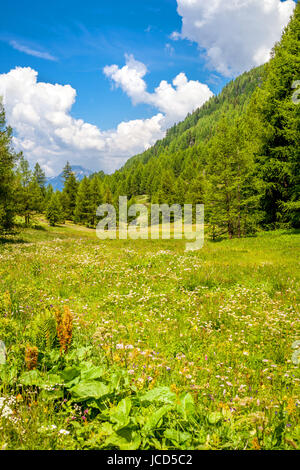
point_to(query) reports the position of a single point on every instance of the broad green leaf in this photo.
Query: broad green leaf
(35, 378)
(119, 379)
(51, 380)
(92, 373)
(177, 436)
(96, 404)
(155, 418)
(124, 440)
(159, 394)
(31, 378)
(93, 389)
(70, 373)
(120, 414)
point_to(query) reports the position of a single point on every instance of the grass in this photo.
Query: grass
(171, 349)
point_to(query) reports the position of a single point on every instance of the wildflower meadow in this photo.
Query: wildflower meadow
(138, 344)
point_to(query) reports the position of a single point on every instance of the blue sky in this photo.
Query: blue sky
(86, 36)
(71, 42)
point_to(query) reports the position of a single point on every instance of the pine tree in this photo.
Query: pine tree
(180, 191)
(232, 190)
(40, 177)
(83, 210)
(54, 211)
(67, 171)
(196, 189)
(7, 160)
(29, 196)
(107, 196)
(135, 188)
(69, 192)
(96, 195)
(48, 194)
(279, 129)
(36, 197)
(166, 190)
(23, 178)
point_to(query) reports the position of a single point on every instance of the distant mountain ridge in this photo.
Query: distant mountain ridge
(57, 182)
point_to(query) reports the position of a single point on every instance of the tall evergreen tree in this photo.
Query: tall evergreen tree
(54, 210)
(69, 192)
(96, 195)
(279, 129)
(67, 171)
(233, 192)
(40, 177)
(83, 210)
(29, 197)
(7, 160)
(107, 196)
(48, 194)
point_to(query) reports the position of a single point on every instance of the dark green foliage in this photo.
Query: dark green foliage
(7, 160)
(54, 211)
(69, 193)
(40, 177)
(83, 209)
(233, 192)
(279, 129)
(29, 196)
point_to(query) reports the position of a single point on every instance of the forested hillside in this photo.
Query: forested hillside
(199, 126)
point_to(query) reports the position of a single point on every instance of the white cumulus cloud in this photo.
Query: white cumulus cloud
(174, 100)
(234, 34)
(45, 131)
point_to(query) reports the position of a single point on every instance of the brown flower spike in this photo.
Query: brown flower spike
(64, 328)
(31, 357)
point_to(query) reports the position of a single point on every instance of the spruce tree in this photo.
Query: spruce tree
(107, 196)
(279, 130)
(69, 192)
(96, 195)
(232, 190)
(7, 160)
(83, 209)
(48, 194)
(29, 197)
(40, 177)
(54, 210)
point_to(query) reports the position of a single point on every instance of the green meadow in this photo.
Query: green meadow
(142, 345)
